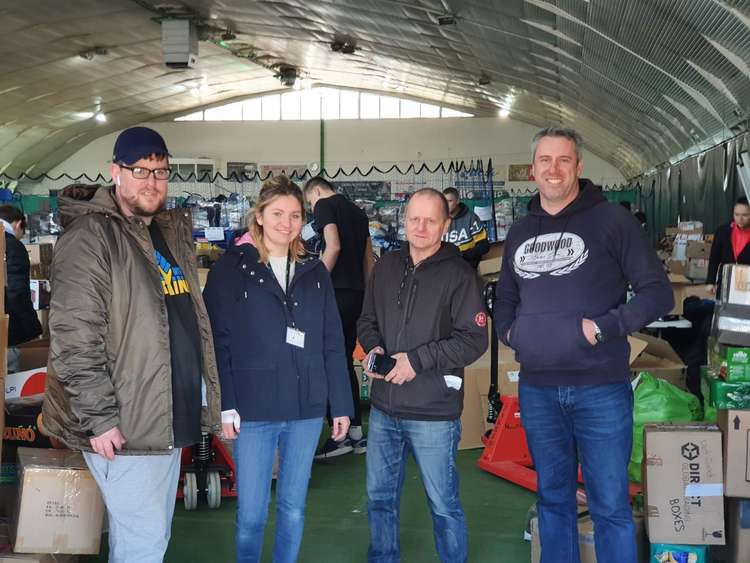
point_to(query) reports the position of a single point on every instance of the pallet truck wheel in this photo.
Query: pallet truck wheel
(190, 491)
(213, 489)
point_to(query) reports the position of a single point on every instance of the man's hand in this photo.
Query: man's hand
(366, 361)
(589, 331)
(106, 444)
(710, 288)
(402, 372)
(340, 428)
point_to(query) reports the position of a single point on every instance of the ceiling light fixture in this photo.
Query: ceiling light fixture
(503, 113)
(344, 45)
(447, 19)
(89, 54)
(100, 117)
(287, 75)
(484, 80)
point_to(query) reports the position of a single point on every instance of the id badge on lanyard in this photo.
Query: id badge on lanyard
(294, 336)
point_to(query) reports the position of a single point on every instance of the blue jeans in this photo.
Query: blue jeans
(140, 492)
(434, 445)
(254, 451)
(593, 423)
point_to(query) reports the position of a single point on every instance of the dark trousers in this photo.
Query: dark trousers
(349, 302)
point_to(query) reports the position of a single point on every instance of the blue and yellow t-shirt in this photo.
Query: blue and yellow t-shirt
(185, 344)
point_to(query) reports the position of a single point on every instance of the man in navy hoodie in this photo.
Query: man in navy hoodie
(562, 308)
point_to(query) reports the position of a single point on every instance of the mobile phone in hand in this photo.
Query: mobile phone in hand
(380, 364)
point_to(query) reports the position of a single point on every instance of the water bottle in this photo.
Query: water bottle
(364, 389)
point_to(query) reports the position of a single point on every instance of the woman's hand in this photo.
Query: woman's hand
(340, 428)
(230, 424)
(227, 430)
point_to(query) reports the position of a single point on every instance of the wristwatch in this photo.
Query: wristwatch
(597, 333)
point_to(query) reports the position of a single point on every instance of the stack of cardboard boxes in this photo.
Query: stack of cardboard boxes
(686, 251)
(697, 475)
(50, 507)
(40, 258)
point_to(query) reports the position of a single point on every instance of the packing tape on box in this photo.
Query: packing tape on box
(704, 490)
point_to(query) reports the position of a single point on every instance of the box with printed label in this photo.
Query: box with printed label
(738, 364)
(60, 508)
(684, 483)
(735, 428)
(725, 395)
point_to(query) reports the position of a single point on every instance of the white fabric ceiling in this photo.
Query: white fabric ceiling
(642, 80)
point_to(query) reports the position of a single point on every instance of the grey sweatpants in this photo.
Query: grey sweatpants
(140, 494)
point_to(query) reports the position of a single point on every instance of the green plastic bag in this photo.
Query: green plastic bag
(658, 401)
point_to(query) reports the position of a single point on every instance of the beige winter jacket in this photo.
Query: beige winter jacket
(109, 361)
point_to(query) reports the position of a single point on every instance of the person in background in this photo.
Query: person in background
(466, 230)
(424, 309)
(132, 377)
(561, 306)
(23, 323)
(347, 254)
(730, 245)
(280, 354)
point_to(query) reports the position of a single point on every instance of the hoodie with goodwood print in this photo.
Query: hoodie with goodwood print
(559, 269)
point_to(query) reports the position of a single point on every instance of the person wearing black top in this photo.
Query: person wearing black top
(23, 324)
(347, 254)
(730, 245)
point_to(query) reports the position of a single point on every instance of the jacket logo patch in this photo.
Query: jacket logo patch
(555, 254)
(480, 319)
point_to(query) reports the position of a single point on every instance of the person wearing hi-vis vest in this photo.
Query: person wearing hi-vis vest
(280, 354)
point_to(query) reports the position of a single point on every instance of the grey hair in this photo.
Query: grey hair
(564, 132)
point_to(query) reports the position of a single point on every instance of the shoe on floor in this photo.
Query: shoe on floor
(334, 449)
(360, 446)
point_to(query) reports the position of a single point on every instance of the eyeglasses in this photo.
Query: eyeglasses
(140, 173)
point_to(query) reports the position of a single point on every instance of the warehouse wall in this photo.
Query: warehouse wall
(347, 143)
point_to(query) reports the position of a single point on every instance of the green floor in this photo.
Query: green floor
(336, 519)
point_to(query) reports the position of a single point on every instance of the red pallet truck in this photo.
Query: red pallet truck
(506, 453)
(206, 473)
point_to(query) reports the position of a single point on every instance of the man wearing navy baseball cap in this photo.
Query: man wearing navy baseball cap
(132, 378)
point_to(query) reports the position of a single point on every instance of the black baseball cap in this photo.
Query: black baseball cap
(136, 143)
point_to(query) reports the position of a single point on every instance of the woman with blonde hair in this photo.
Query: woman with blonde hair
(280, 353)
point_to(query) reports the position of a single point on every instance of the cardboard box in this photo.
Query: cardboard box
(697, 270)
(698, 249)
(22, 430)
(25, 383)
(37, 558)
(738, 530)
(676, 267)
(203, 276)
(683, 483)
(490, 266)
(683, 288)
(586, 546)
(476, 385)
(40, 253)
(693, 227)
(495, 251)
(735, 428)
(671, 231)
(2, 270)
(60, 508)
(40, 271)
(738, 364)
(656, 356)
(34, 354)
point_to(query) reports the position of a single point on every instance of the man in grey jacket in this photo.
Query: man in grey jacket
(132, 374)
(423, 308)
